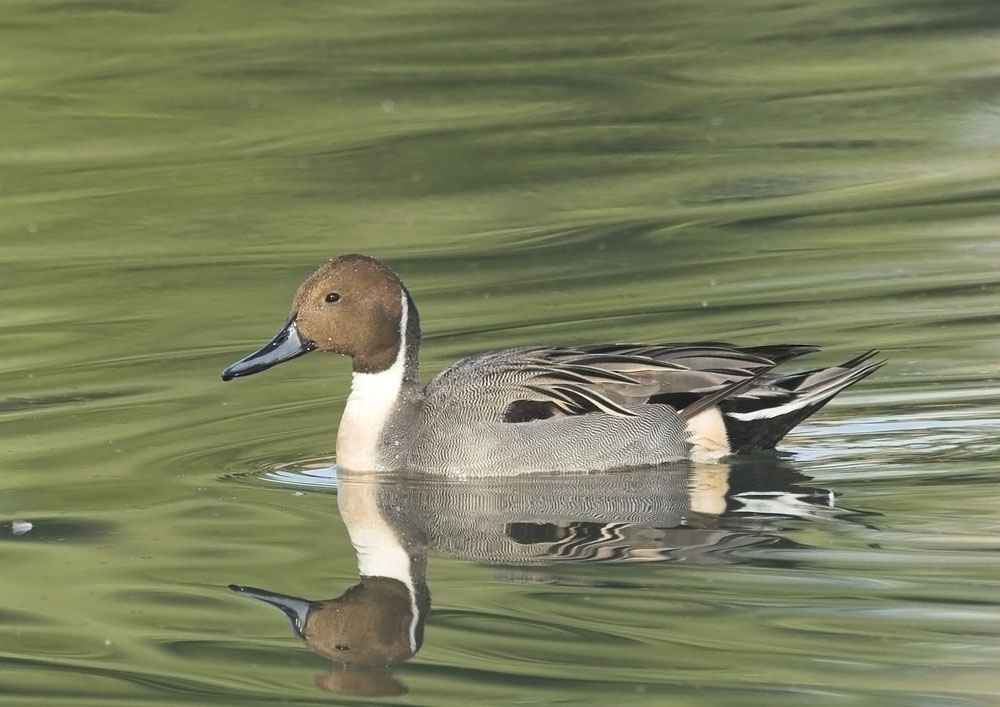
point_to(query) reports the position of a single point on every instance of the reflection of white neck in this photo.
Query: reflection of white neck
(381, 552)
(371, 402)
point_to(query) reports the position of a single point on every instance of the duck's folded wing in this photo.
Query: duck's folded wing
(529, 384)
(708, 355)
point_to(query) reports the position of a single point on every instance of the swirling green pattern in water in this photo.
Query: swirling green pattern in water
(537, 173)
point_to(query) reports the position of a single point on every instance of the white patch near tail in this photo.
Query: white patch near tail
(803, 399)
(707, 436)
(777, 411)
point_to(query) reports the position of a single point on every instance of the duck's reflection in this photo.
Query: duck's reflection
(686, 513)
(373, 625)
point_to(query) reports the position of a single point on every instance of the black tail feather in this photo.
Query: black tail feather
(775, 416)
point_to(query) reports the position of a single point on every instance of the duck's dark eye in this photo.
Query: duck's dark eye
(342, 648)
(332, 297)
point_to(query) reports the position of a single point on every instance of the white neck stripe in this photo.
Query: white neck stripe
(371, 402)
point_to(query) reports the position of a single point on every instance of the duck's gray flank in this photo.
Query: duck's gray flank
(543, 408)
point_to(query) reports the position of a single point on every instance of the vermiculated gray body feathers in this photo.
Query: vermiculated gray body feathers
(608, 406)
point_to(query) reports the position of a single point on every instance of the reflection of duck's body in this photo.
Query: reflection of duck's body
(654, 514)
(676, 513)
(541, 408)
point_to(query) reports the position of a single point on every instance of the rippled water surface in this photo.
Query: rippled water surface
(557, 172)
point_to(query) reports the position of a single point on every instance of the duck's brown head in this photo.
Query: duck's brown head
(352, 305)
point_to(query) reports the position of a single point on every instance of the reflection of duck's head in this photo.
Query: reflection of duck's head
(380, 620)
(376, 622)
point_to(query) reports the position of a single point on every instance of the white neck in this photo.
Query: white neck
(371, 402)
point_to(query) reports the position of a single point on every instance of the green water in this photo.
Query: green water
(537, 173)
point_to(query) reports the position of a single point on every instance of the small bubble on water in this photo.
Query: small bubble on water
(388, 105)
(32, 228)
(704, 303)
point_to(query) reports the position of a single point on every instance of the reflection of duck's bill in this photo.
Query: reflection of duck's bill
(295, 608)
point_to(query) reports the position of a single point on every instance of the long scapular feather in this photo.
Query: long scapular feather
(813, 395)
(728, 391)
(579, 399)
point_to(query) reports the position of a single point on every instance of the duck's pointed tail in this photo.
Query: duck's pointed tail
(761, 417)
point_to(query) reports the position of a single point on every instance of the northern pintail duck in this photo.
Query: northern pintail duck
(540, 408)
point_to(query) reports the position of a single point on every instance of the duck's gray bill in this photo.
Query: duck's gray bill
(286, 345)
(296, 609)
